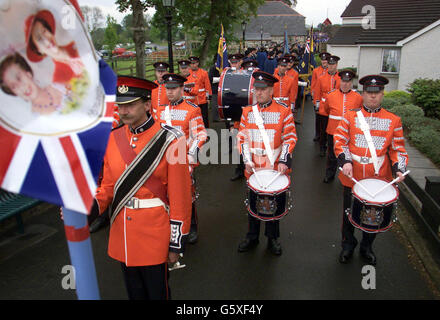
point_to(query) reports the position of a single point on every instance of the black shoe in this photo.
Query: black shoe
(368, 255)
(315, 139)
(247, 244)
(238, 175)
(345, 256)
(274, 246)
(322, 153)
(99, 223)
(193, 237)
(328, 179)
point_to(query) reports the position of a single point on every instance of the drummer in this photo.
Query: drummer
(279, 131)
(356, 155)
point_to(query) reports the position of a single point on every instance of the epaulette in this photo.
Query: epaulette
(192, 104)
(176, 132)
(332, 91)
(355, 109)
(118, 127)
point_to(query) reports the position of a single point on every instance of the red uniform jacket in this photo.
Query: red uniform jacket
(285, 89)
(337, 104)
(280, 127)
(326, 84)
(158, 97)
(142, 237)
(387, 133)
(186, 117)
(204, 85)
(317, 73)
(191, 92)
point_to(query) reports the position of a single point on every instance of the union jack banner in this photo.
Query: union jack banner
(55, 122)
(222, 53)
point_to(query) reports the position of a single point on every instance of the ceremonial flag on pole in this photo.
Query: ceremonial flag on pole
(55, 121)
(286, 41)
(222, 53)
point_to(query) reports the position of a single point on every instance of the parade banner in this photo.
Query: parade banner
(56, 103)
(222, 53)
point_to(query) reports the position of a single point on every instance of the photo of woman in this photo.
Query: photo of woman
(41, 42)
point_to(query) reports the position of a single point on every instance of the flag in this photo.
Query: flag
(307, 61)
(286, 41)
(222, 53)
(55, 154)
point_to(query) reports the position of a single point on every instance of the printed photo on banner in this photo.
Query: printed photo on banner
(48, 83)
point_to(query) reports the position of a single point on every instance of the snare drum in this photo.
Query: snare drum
(271, 203)
(234, 93)
(373, 215)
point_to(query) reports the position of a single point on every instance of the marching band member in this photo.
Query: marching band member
(285, 90)
(362, 154)
(317, 73)
(205, 90)
(326, 83)
(191, 86)
(338, 102)
(159, 95)
(186, 117)
(150, 199)
(278, 129)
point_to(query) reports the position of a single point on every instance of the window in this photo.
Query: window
(390, 60)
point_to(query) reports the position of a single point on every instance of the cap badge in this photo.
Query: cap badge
(122, 89)
(260, 78)
(170, 78)
(373, 81)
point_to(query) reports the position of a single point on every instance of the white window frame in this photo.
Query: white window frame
(398, 60)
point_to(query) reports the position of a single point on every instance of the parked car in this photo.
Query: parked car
(126, 54)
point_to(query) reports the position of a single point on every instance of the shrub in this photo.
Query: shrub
(427, 140)
(426, 94)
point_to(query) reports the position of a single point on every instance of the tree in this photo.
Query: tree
(93, 18)
(137, 8)
(110, 36)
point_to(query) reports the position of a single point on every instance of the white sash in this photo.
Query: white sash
(366, 130)
(260, 123)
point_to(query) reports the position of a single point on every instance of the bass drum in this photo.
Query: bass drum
(234, 93)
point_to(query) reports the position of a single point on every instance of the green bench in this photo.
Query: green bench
(12, 204)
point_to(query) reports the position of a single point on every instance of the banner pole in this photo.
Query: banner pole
(81, 255)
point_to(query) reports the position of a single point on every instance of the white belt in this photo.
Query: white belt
(202, 90)
(135, 203)
(367, 160)
(335, 117)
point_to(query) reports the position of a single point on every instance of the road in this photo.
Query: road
(215, 270)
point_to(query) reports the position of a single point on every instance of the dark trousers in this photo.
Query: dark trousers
(349, 242)
(147, 282)
(332, 161)
(317, 125)
(272, 228)
(214, 108)
(194, 218)
(205, 114)
(323, 132)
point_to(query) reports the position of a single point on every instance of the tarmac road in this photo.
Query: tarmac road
(215, 270)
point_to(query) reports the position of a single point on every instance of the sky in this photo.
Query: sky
(315, 11)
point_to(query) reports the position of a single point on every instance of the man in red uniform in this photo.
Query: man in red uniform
(334, 107)
(191, 86)
(326, 83)
(205, 91)
(279, 127)
(150, 198)
(285, 90)
(186, 117)
(317, 73)
(356, 155)
(159, 95)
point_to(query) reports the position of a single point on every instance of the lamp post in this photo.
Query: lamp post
(261, 33)
(243, 27)
(169, 4)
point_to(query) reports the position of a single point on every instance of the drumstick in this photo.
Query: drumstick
(273, 179)
(360, 184)
(258, 179)
(390, 183)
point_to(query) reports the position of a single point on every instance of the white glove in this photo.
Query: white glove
(317, 106)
